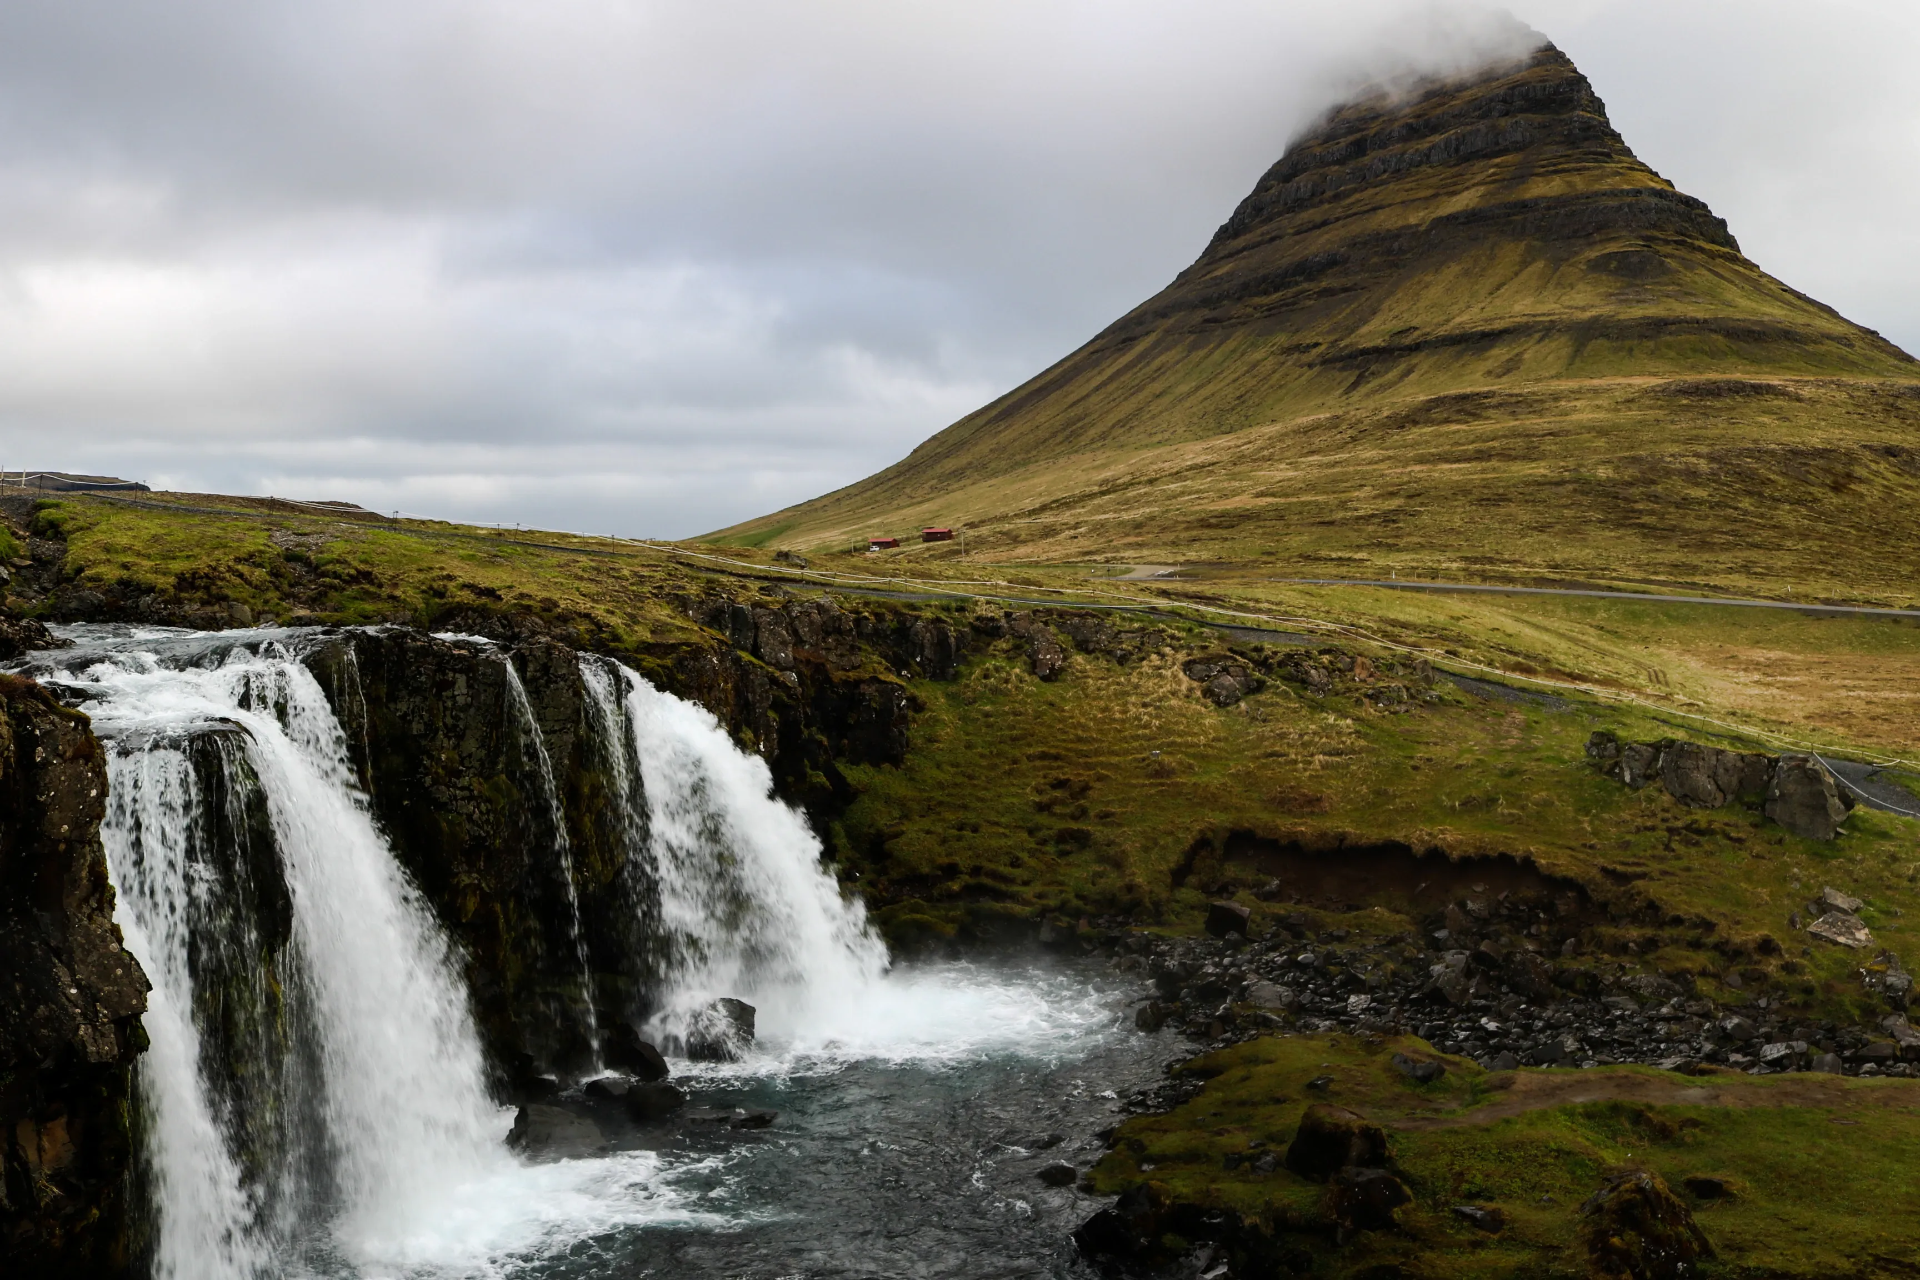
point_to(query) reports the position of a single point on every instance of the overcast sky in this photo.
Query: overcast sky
(649, 267)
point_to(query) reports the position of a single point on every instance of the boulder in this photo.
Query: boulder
(1707, 777)
(545, 1132)
(1045, 655)
(1224, 918)
(608, 1088)
(754, 1120)
(1420, 1071)
(1842, 929)
(1271, 995)
(1332, 1138)
(1887, 977)
(722, 1032)
(1803, 798)
(1058, 1174)
(1827, 1063)
(1635, 1228)
(1831, 899)
(629, 1051)
(653, 1101)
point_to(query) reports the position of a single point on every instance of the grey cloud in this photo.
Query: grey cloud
(655, 267)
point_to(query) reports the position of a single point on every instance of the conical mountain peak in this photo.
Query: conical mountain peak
(1480, 249)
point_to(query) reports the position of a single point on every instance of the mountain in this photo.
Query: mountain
(1463, 327)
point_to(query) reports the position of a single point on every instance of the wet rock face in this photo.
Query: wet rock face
(1794, 791)
(70, 1001)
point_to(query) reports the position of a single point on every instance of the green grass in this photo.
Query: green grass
(1819, 1165)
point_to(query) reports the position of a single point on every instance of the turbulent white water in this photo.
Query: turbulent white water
(323, 1111)
(740, 903)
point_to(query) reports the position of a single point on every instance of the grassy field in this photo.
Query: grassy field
(1817, 1166)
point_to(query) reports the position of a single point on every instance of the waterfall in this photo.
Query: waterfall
(738, 902)
(536, 744)
(400, 1115)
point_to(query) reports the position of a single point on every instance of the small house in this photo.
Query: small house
(882, 544)
(936, 535)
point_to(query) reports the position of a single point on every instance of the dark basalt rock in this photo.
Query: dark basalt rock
(1058, 1174)
(628, 1050)
(653, 1101)
(1801, 797)
(1795, 791)
(1635, 1228)
(1417, 1070)
(545, 1132)
(70, 1003)
(1224, 918)
(1364, 1199)
(723, 1032)
(1045, 656)
(1332, 1138)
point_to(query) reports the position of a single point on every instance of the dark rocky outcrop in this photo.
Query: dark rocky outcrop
(70, 1001)
(1795, 791)
(1333, 1138)
(1635, 1228)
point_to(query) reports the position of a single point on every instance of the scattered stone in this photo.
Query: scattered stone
(1046, 1142)
(1635, 1228)
(1058, 1174)
(1831, 899)
(1332, 1138)
(1224, 918)
(1829, 1063)
(1843, 929)
(1503, 1061)
(754, 1120)
(722, 1032)
(1735, 1027)
(1488, 1220)
(553, 1133)
(653, 1100)
(1320, 1084)
(1420, 1072)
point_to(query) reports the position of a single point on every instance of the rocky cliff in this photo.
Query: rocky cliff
(70, 1002)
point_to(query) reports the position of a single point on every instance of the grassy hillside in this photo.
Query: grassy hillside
(1466, 332)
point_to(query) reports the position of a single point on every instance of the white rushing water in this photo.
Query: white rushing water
(740, 903)
(360, 1139)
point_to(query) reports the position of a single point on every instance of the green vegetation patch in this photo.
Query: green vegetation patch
(1794, 1175)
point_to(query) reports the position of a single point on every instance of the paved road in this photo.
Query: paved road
(1403, 584)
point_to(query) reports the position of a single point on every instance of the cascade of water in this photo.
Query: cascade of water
(402, 1102)
(210, 1220)
(562, 845)
(742, 905)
